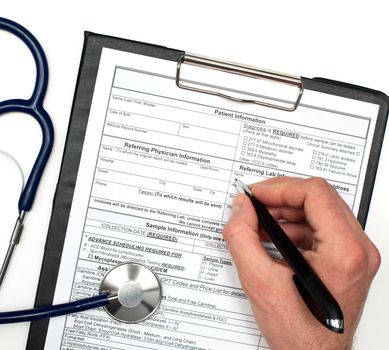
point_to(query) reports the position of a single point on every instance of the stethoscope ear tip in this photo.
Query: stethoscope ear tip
(134, 290)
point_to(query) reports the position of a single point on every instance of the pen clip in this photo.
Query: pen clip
(329, 314)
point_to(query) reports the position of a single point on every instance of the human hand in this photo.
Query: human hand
(318, 220)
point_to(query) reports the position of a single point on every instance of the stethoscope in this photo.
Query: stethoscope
(129, 292)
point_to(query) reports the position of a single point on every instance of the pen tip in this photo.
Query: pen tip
(242, 188)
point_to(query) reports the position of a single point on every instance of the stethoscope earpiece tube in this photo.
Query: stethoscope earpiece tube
(55, 310)
(34, 107)
(130, 291)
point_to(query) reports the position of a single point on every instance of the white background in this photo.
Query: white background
(341, 40)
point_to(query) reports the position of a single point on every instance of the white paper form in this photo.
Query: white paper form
(155, 186)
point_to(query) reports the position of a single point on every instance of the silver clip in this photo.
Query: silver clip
(237, 69)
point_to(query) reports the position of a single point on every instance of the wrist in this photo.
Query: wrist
(313, 342)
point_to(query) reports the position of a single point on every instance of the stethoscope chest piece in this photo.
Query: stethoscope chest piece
(137, 292)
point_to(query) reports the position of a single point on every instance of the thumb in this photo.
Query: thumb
(244, 243)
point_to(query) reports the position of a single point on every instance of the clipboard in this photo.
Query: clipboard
(93, 46)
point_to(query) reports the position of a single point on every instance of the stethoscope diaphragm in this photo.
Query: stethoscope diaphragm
(135, 292)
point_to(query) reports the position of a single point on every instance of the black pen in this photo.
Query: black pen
(313, 291)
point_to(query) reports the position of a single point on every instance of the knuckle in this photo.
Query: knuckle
(319, 182)
(375, 259)
(356, 261)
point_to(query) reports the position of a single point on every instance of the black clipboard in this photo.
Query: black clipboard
(93, 45)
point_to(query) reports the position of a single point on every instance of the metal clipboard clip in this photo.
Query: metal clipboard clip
(243, 71)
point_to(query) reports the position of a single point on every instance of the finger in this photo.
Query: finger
(288, 214)
(243, 241)
(323, 207)
(293, 215)
(292, 221)
(280, 181)
(301, 234)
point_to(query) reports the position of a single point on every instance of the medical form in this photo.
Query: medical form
(155, 185)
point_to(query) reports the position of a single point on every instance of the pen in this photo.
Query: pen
(313, 291)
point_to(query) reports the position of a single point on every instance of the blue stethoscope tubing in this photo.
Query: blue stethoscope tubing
(129, 299)
(34, 107)
(54, 310)
(129, 292)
